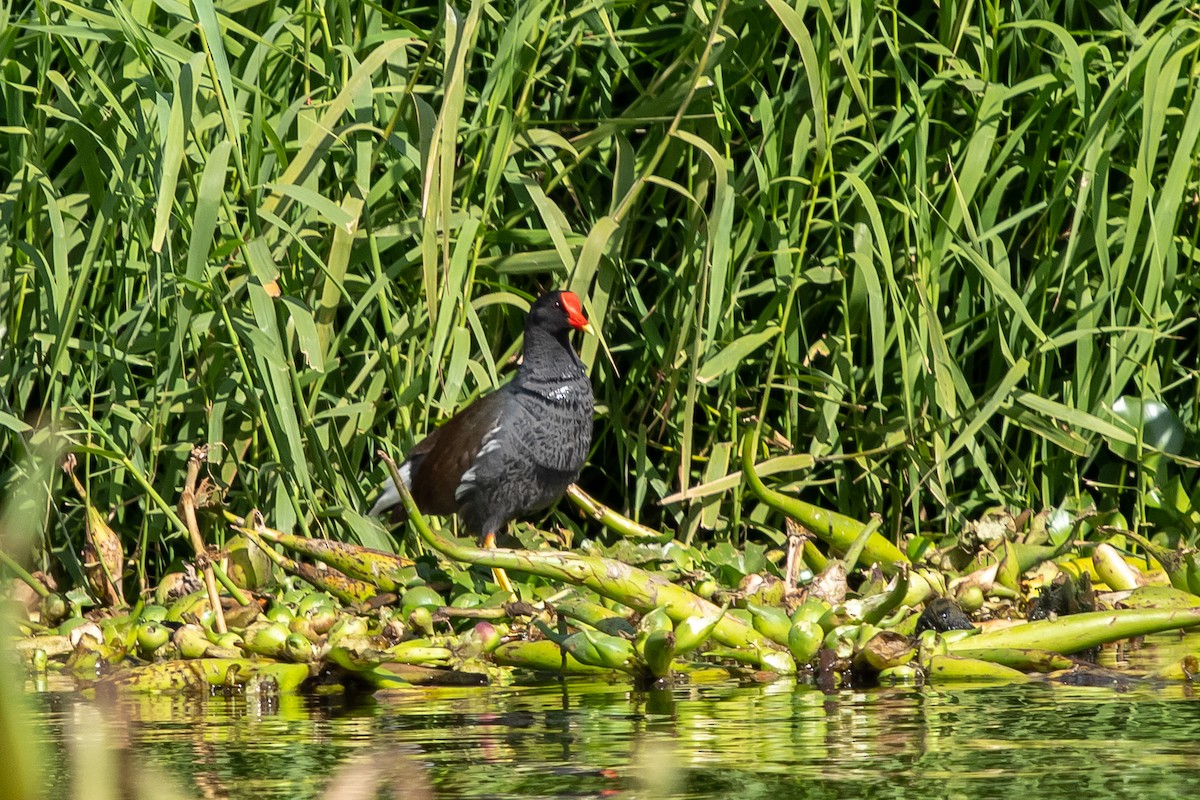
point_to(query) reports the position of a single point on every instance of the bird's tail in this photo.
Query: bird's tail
(389, 497)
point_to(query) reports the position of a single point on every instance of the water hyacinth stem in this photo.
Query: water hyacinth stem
(837, 530)
(1078, 632)
(948, 668)
(543, 656)
(344, 588)
(618, 523)
(388, 572)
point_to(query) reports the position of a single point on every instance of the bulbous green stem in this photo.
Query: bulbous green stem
(544, 656)
(33, 583)
(341, 586)
(1078, 632)
(617, 523)
(836, 530)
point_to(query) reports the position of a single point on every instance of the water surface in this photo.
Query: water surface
(587, 739)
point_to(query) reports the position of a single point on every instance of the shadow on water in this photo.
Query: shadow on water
(777, 740)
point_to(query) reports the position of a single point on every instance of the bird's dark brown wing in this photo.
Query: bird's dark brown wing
(439, 460)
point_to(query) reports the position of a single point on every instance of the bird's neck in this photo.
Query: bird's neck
(548, 357)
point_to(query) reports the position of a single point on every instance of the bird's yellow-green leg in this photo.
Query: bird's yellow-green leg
(500, 576)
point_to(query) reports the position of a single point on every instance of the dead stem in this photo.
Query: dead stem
(187, 505)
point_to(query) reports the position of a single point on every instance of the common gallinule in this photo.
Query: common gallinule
(514, 451)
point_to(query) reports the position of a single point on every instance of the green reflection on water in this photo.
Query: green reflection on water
(775, 741)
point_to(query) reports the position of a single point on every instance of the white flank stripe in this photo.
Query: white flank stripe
(465, 485)
(490, 442)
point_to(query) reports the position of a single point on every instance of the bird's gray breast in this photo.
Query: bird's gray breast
(553, 428)
(534, 452)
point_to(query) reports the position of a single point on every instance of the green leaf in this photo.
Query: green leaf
(734, 353)
(306, 333)
(13, 424)
(1153, 425)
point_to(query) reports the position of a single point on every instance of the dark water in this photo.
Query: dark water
(574, 740)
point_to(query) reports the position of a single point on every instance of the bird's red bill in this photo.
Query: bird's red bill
(574, 309)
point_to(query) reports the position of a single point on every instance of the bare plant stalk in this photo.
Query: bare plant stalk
(796, 537)
(187, 505)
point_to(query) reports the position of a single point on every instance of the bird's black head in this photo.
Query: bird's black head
(557, 312)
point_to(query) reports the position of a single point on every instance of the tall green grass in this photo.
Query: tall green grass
(928, 247)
